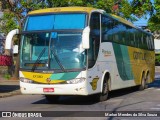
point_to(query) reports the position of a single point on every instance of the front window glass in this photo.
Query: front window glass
(55, 50)
(35, 48)
(66, 48)
(55, 21)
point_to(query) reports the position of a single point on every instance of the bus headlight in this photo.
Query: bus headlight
(75, 81)
(25, 80)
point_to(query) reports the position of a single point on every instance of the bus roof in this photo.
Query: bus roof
(63, 9)
(79, 9)
(122, 20)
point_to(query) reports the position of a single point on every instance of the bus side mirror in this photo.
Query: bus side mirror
(85, 38)
(9, 38)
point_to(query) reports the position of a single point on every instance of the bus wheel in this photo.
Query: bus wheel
(147, 80)
(52, 98)
(105, 91)
(143, 83)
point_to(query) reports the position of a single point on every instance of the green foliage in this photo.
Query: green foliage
(141, 8)
(154, 21)
(8, 22)
(125, 8)
(7, 76)
(15, 11)
(57, 3)
(157, 59)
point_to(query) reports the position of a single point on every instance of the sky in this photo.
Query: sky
(142, 21)
(1, 14)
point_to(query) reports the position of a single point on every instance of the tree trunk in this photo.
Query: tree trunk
(17, 59)
(16, 71)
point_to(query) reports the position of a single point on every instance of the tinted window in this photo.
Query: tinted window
(115, 31)
(94, 39)
(56, 21)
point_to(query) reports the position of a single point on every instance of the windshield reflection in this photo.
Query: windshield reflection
(63, 51)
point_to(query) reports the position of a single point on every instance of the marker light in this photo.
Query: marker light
(75, 81)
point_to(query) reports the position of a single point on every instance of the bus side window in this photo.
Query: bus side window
(94, 39)
(152, 42)
(145, 41)
(148, 42)
(107, 24)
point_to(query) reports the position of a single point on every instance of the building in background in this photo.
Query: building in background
(157, 41)
(2, 43)
(2, 38)
(157, 46)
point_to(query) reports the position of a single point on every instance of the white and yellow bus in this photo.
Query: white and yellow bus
(83, 51)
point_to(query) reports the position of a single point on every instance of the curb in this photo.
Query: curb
(9, 88)
(8, 94)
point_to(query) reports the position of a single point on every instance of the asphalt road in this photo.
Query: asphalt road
(122, 100)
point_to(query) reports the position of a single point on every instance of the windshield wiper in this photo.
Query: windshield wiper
(38, 60)
(57, 59)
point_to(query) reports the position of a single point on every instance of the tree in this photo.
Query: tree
(8, 23)
(57, 3)
(16, 10)
(124, 8)
(154, 21)
(19, 8)
(141, 8)
(14, 14)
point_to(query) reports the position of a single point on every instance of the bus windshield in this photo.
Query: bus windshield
(52, 50)
(55, 21)
(53, 42)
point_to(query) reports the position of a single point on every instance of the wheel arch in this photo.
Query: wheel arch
(142, 75)
(106, 75)
(147, 76)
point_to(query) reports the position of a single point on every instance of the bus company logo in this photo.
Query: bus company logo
(106, 53)
(94, 83)
(48, 80)
(140, 56)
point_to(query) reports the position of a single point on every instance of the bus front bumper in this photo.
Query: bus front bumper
(55, 89)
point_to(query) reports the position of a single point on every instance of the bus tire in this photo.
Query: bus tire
(52, 98)
(103, 96)
(143, 83)
(147, 80)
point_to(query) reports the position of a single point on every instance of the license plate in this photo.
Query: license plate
(48, 89)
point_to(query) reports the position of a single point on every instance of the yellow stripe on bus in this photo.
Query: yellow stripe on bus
(40, 77)
(63, 9)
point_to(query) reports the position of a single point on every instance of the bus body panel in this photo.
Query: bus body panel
(125, 64)
(106, 62)
(59, 89)
(125, 69)
(59, 85)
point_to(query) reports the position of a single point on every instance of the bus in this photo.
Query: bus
(82, 51)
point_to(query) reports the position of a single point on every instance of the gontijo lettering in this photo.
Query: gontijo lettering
(142, 56)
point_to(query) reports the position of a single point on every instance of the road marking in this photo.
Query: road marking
(150, 88)
(155, 108)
